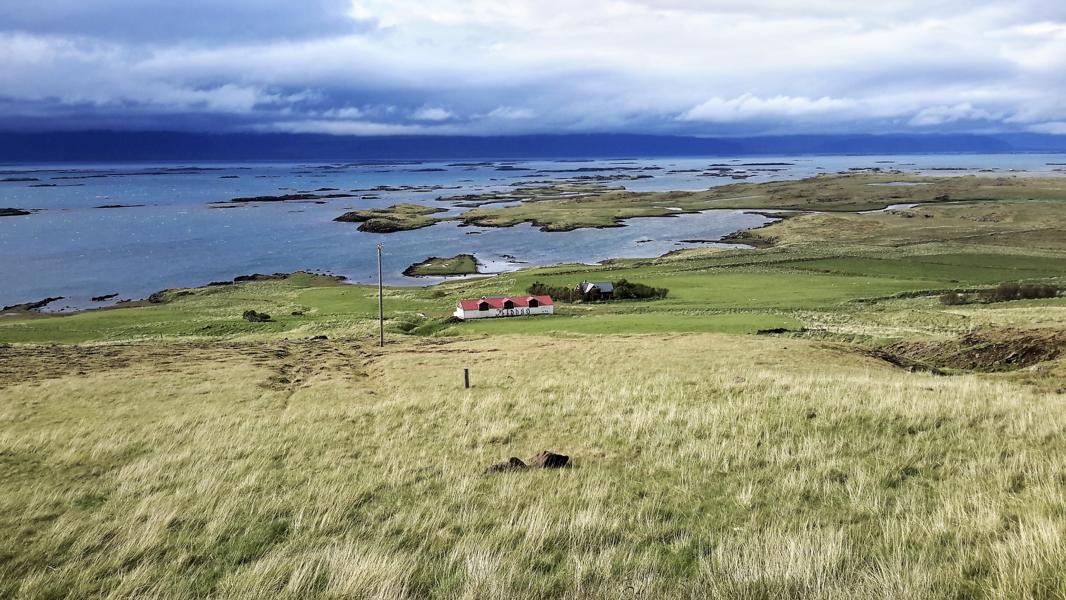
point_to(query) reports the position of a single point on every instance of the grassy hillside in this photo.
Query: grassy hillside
(704, 466)
(804, 420)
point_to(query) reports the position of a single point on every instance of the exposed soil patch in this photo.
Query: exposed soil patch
(986, 351)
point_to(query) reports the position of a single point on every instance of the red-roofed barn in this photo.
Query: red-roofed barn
(518, 306)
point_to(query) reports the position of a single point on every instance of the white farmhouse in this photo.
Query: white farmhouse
(504, 307)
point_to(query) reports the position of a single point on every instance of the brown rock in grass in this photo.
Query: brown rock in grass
(549, 460)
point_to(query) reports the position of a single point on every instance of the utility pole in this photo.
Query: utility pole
(381, 304)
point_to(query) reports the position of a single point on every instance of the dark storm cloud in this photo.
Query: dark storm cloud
(485, 66)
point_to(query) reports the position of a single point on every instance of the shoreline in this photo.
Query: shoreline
(16, 310)
(417, 281)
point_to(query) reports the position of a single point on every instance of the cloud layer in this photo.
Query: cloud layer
(491, 66)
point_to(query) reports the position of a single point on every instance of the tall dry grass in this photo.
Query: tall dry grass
(704, 466)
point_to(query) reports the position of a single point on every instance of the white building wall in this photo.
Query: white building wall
(499, 312)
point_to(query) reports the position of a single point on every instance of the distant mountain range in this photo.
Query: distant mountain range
(89, 146)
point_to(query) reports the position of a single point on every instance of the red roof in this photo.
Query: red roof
(519, 302)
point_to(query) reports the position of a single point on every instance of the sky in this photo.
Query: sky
(485, 67)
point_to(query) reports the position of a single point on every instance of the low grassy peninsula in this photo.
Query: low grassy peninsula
(435, 266)
(829, 193)
(13, 212)
(398, 217)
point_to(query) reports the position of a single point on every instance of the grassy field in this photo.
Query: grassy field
(804, 420)
(730, 291)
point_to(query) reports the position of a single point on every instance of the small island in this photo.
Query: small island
(398, 217)
(13, 212)
(435, 266)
